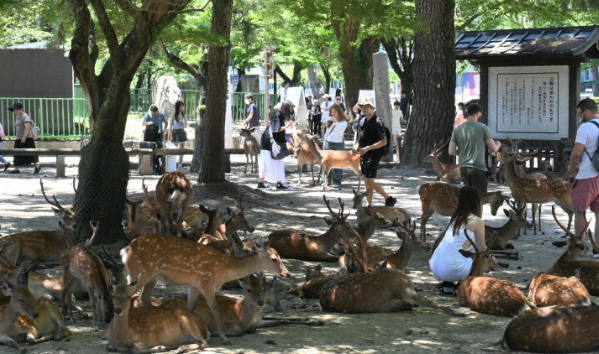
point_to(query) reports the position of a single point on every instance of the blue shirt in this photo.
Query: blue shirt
(157, 119)
(255, 121)
(179, 125)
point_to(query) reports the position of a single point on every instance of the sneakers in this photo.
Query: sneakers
(595, 254)
(390, 201)
(448, 288)
(281, 186)
(261, 185)
(7, 166)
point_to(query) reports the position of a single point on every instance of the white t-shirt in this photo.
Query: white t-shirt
(326, 115)
(396, 116)
(335, 132)
(587, 135)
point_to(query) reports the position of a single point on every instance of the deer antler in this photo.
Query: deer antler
(238, 205)
(56, 203)
(329, 206)
(410, 231)
(471, 242)
(514, 206)
(437, 149)
(568, 232)
(89, 242)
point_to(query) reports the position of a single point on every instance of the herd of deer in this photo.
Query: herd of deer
(175, 242)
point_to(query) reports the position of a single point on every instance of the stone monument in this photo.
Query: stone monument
(166, 93)
(380, 64)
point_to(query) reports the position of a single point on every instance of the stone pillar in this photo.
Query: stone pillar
(229, 117)
(166, 93)
(380, 64)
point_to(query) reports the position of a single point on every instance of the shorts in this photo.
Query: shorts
(584, 194)
(396, 131)
(475, 178)
(369, 165)
(179, 136)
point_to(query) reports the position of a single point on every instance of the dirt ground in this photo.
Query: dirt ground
(417, 331)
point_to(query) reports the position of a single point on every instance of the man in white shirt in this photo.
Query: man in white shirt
(585, 189)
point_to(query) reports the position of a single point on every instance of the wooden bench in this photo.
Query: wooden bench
(60, 153)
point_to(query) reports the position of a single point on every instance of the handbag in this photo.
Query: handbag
(277, 152)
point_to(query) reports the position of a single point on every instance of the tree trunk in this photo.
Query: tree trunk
(200, 129)
(213, 142)
(595, 86)
(401, 59)
(434, 84)
(314, 83)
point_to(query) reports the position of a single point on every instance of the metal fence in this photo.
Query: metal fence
(68, 118)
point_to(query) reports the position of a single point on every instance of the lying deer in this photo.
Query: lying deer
(82, 265)
(548, 290)
(330, 159)
(395, 216)
(554, 329)
(199, 267)
(315, 281)
(297, 244)
(441, 198)
(567, 264)
(505, 233)
(173, 194)
(45, 246)
(151, 329)
(444, 171)
(489, 295)
(251, 149)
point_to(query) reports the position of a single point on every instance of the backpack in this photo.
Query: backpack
(385, 149)
(595, 158)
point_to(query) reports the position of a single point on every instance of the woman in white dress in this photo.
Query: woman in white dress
(447, 263)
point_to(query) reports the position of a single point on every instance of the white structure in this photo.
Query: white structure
(229, 118)
(296, 96)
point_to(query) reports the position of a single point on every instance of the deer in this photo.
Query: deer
(240, 316)
(151, 329)
(215, 220)
(526, 190)
(251, 148)
(489, 295)
(199, 267)
(441, 198)
(505, 233)
(567, 264)
(45, 246)
(444, 171)
(236, 222)
(173, 194)
(81, 265)
(330, 159)
(397, 260)
(549, 290)
(297, 244)
(396, 216)
(315, 281)
(554, 329)
(304, 156)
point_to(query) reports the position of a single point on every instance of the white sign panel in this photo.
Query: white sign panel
(528, 102)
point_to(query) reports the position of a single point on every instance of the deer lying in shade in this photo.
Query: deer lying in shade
(489, 295)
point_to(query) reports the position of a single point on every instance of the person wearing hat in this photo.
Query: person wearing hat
(24, 139)
(371, 137)
(253, 118)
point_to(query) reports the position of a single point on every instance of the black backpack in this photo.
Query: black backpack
(385, 149)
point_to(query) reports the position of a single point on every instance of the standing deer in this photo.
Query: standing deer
(151, 329)
(441, 198)
(330, 159)
(489, 295)
(304, 156)
(173, 194)
(251, 148)
(444, 171)
(82, 265)
(395, 216)
(554, 329)
(45, 246)
(526, 190)
(567, 265)
(199, 267)
(297, 244)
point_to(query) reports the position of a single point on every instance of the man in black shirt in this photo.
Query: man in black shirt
(371, 137)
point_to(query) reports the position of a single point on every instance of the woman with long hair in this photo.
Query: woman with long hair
(178, 124)
(334, 140)
(272, 170)
(447, 263)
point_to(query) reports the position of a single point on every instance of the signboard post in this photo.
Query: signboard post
(269, 70)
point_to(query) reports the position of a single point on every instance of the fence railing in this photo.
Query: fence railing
(68, 118)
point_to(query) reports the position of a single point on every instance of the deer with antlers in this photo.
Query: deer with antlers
(489, 295)
(567, 265)
(151, 329)
(394, 215)
(444, 171)
(442, 198)
(297, 244)
(81, 265)
(526, 190)
(173, 194)
(505, 233)
(330, 159)
(199, 267)
(45, 246)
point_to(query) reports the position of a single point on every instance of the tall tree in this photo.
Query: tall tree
(434, 80)
(104, 166)
(213, 144)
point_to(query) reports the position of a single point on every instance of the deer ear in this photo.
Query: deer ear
(466, 254)
(113, 281)
(203, 209)
(230, 211)
(507, 213)
(134, 281)
(328, 221)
